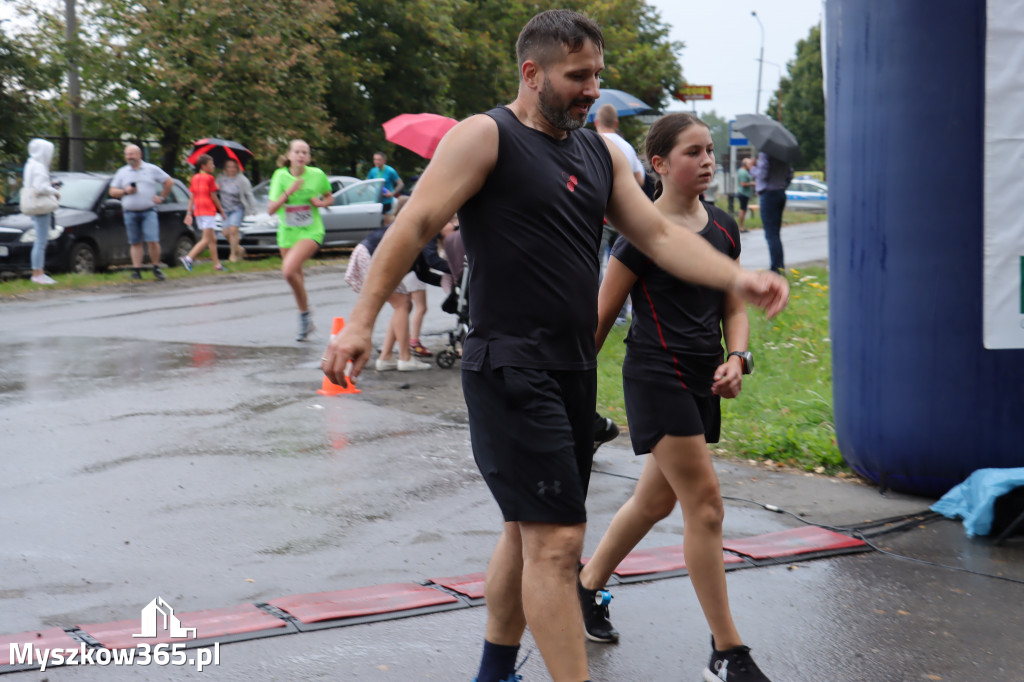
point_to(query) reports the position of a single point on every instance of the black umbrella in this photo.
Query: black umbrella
(221, 151)
(769, 136)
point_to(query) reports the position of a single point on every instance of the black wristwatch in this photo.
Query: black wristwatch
(746, 357)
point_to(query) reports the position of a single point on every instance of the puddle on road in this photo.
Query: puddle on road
(77, 366)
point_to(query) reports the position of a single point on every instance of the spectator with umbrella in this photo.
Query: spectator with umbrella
(238, 201)
(772, 174)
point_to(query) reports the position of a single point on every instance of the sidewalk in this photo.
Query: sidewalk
(803, 243)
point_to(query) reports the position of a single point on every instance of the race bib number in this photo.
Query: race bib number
(298, 216)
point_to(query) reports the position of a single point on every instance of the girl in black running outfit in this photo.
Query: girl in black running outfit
(673, 380)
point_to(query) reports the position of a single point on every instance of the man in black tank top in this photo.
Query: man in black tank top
(532, 188)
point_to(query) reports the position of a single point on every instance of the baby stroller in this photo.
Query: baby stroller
(456, 304)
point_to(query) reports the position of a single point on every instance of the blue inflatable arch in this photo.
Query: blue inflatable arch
(919, 402)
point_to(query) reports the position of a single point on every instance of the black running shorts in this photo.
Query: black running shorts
(656, 409)
(533, 439)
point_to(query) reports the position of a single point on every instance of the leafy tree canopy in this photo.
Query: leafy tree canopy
(803, 101)
(328, 71)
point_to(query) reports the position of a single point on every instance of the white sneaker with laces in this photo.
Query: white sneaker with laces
(411, 365)
(43, 279)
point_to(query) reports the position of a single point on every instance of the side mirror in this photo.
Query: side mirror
(112, 206)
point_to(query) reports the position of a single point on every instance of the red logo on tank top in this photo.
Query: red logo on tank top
(570, 181)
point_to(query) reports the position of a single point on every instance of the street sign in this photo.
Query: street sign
(736, 139)
(693, 92)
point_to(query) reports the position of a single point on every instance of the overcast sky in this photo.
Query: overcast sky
(723, 43)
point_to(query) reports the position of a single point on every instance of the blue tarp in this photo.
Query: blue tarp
(974, 499)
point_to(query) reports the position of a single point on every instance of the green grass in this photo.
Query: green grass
(753, 219)
(784, 412)
(17, 286)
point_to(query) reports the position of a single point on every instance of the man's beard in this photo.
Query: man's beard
(557, 114)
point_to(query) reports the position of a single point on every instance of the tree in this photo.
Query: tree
(719, 135)
(25, 112)
(185, 69)
(803, 100)
(393, 57)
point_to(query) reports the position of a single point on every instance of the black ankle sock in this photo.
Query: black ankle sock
(497, 663)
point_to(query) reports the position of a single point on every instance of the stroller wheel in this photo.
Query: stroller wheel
(446, 358)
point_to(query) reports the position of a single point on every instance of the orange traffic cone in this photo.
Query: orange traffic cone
(329, 387)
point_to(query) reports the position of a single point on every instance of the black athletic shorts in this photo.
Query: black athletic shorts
(656, 409)
(744, 200)
(533, 439)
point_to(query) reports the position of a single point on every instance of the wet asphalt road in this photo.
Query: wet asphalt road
(170, 442)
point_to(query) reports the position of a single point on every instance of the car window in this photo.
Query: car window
(366, 192)
(178, 195)
(336, 185)
(261, 192)
(80, 192)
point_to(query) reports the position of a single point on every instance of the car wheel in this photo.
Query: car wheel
(181, 249)
(82, 259)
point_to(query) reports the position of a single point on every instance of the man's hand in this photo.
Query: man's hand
(157, 199)
(728, 378)
(353, 345)
(765, 289)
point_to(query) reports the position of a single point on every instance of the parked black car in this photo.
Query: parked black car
(88, 234)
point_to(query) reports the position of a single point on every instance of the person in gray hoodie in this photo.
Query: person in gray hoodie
(37, 177)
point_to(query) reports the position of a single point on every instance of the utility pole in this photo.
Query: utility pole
(76, 158)
(760, 68)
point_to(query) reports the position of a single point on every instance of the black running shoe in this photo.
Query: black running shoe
(594, 604)
(604, 430)
(733, 665)
(159, 274)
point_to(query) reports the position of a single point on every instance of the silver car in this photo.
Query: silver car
(356, 212)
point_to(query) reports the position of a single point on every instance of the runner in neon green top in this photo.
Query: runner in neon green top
(299, 218)
(297, 193)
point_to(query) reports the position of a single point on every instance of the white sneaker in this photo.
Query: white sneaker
(411, 365)
(385, 365)
(43, 279)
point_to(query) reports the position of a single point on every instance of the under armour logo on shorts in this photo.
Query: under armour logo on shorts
(553, 488)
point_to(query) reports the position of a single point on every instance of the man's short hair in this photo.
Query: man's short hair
(546, 32)
(606, 116)
(382, 155)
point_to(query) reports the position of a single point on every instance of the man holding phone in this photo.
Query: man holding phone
(141, 186)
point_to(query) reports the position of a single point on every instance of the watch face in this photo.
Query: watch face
(747, 358)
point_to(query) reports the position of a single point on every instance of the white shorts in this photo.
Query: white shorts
(412, 283)
(206, 222)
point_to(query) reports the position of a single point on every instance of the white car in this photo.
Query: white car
(807, 194)
(356, 212)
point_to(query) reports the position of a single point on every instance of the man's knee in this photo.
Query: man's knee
(553, 543)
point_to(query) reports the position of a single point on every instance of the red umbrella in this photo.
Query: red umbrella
(418, 132)
(221, 151)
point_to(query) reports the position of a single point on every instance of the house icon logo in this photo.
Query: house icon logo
(150, 621)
